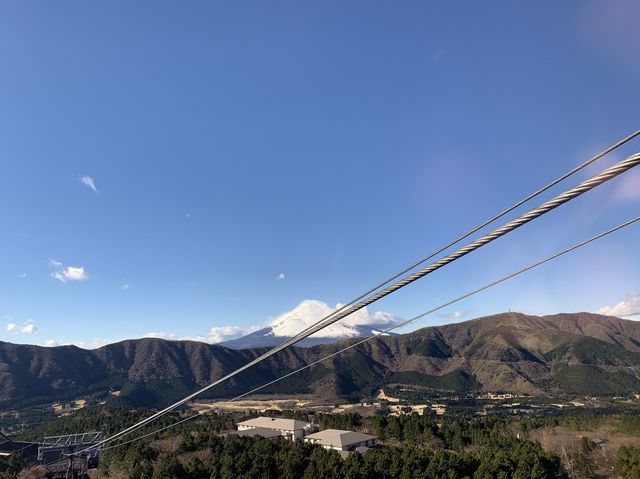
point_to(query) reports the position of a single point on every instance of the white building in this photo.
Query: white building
(289, 428)
(341, 440)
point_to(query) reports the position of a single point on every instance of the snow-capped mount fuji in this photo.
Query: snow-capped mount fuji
(360, 324)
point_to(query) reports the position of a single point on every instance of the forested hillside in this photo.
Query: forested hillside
(575, 354)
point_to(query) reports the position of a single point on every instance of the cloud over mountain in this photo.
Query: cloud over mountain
(311, 311)
(308, 312)
(217, 334)
(628, 308)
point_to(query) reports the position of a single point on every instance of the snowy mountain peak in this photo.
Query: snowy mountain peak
(310, 311)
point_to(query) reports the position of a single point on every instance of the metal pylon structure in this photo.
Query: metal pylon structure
(66, 457)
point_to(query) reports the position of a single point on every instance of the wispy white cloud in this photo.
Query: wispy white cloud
(160, 335)
(281, 277)
(54, 263)
(90, 344)
(628, 308)
(125, 286)
(89, 182)
(174, 337)
(25, 328)
(628, 187)
(70, 273)
(96, 343)
(217, 334)
(29, 328)
(22, 275)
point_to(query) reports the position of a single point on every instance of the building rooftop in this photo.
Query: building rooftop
(275, 423)
(339, 438)
(260, 431)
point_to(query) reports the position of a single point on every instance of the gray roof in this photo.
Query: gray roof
(362, 449)
(260, 431)
(339, 438)
(275, 423)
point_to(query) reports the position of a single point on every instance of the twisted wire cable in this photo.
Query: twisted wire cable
(604, 176)
(397, 326)
(472, 231)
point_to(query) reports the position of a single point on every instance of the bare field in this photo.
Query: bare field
(563, 441)
(251, 404)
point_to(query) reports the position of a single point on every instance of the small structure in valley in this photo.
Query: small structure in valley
(342, 441)
(272, 426)
(71, 455)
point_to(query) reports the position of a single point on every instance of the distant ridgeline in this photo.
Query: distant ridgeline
(575, 354)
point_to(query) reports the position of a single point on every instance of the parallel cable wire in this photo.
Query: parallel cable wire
(476, 229)
(301, 335)
(397, 326)
(525, 218)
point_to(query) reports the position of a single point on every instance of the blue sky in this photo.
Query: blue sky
(330, 142)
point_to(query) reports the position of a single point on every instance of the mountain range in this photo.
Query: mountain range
(574, 354)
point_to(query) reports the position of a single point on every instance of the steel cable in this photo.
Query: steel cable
(523, 219)
(397, 326)
(474, 230)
